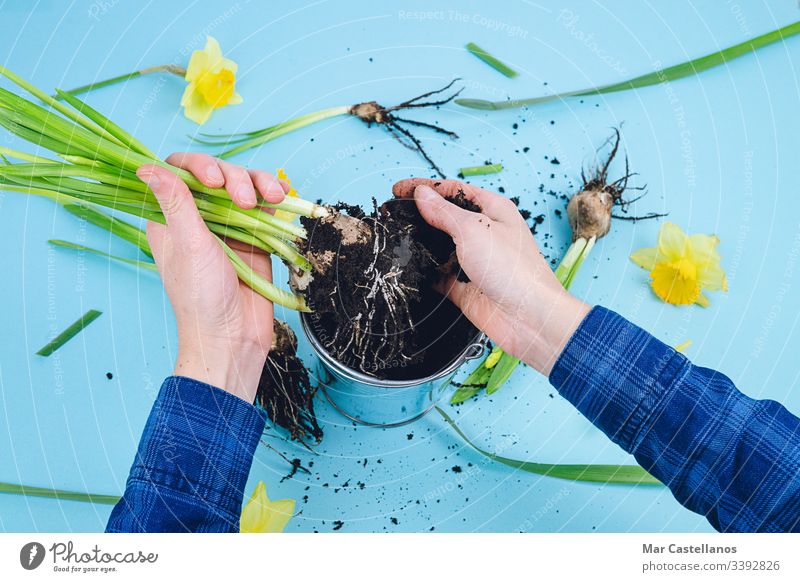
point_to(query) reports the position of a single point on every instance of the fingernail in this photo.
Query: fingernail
(275, 189)
(425, 193)
(246, 194)
(214, 174)
(150, 179)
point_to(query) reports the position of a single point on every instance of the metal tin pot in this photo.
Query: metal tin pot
(383, 403)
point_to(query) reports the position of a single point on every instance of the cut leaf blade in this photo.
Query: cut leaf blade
(610, 474)
(70, 332)
(14, 489)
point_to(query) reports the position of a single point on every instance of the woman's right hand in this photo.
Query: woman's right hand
(513, 295)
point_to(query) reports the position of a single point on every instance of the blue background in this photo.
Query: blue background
(718, 152)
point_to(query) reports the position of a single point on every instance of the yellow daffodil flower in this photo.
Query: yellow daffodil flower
(283, 214)
(683, 266)
(260, 515)
(212, 80)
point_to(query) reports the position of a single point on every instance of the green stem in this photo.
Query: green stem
(572, 261)
(63, 109)
(108, 125)
(112, 224)
(76, 247)
(260, 285)
(284, 250)
(617, 474)
(25, 157)
(672, 73)
(174, 69)
(61, 494)
(262, 136)
(480, 170)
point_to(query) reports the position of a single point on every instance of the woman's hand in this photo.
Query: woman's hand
(512, 295)
(224, 327)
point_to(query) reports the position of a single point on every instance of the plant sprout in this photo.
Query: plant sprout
(370, 112)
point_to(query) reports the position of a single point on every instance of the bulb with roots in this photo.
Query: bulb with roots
(591, 210)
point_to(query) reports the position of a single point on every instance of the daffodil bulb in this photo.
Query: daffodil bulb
(589, 213)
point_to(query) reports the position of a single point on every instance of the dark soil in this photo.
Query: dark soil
(372, 297)
(285, 391)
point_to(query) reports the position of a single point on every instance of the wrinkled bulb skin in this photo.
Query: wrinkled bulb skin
(589, 213)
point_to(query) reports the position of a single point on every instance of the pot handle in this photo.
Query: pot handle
(476, 349)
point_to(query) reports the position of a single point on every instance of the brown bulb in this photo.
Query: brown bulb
(589, 214)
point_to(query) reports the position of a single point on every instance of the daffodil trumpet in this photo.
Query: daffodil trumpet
(210, 76)
(97, 165)
(590, 213)
(370, 112)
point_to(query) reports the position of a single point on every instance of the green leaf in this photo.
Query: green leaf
(480, 170)
(61, 108)
(76, 247)
(493, 62)
(260, 285)
(472, 385)
(669, 74)
(104, 122)
(618, 474)
(270, 133)
(70, 332)
(112, 224)
(501, 372)
(61, 494)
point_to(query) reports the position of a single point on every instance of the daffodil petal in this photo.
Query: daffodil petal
(281, 512)
(703, 301)
(646, 258)
(195, 107)
(260, 515)
(712, 278)
(704, 248)
(672, 241)
(229, 65)
(214, 52)
(235, 99)
(198, 63)
(284, 215)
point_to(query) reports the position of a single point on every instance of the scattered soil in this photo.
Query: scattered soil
(371, 292)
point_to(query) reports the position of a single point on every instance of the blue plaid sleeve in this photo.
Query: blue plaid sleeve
(728, 457)
(192, 464)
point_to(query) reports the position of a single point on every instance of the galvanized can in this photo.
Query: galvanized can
(383, 403)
